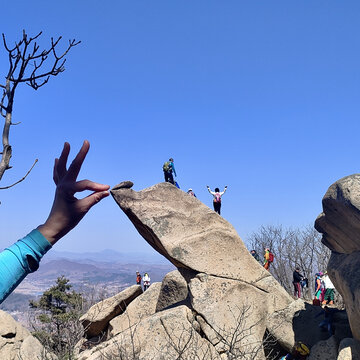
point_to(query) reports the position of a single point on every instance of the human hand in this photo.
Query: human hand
(67, 210)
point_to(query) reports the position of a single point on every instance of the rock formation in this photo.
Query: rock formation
(340, 225)
(219, 304)
(99, 315)
(225, 288)
(17, 343)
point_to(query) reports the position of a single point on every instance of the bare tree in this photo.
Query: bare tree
(291, 248)
(29, 65)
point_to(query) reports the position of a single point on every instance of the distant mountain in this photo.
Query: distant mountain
(106, 272)
(108, 255)
(89, 271)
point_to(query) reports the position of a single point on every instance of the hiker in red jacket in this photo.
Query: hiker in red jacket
(268, 258)
(138, 278)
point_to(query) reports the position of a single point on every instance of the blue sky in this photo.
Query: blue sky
(262, 96)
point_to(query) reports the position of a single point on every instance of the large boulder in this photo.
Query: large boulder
(340, 225)
(97, 318)
(174, 290)
(225, 283)
(349, 348)
(188, 233)
(167, 335)
(143, 306)
(324, 350)
(16, 342)
(299, 318)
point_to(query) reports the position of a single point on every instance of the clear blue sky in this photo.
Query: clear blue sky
(262, 96)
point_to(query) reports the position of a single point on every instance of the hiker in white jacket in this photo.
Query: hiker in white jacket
(146, 281)
(217, 198)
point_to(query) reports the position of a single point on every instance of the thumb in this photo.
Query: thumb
(89, 201)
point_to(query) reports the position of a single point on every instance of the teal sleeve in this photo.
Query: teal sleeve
(20, 259)
(173, 167)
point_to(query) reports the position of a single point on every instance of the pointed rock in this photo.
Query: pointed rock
(96, 320)
(143, 306)
(188, 233)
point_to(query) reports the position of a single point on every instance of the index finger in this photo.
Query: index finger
(76, 164)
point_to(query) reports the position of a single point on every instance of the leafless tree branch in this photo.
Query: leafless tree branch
(22, 179)
(26, 65)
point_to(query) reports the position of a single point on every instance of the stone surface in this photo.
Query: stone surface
(344, 270)
(173, 290)
(161, 336)
(324, 350)
(143, 306)
(96, 320)
(297, 322)
(124, 185)
(349, 348)
(188, 233)
(340, 221)
(340, 225)
(226, 306)
(17, 343)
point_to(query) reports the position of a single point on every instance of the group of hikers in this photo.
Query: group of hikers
(145, 279)
(268, 257)
(324, 289)
(169, 170)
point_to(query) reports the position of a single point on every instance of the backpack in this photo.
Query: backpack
(217, 198)
(301, 348)
(271, 257)
(166, 166)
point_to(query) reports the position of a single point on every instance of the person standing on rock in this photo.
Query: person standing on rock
(146, 280)
(268, 258)
(329, 290)
(191, 193)
(255, 255)
(319, 286)
(138, 278)
(168, 169)
(217, 198)
(297, 277)
(327, 323)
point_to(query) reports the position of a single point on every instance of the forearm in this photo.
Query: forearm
(20, 259)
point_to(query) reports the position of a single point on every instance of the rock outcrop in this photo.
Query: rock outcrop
(173, 291)
(340, 225)
(17, 343)
(96, 320)
(218, 304)
(225, 285)
(142, 307)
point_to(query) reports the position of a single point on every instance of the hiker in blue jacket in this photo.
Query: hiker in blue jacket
(24, 256)
(168, 169)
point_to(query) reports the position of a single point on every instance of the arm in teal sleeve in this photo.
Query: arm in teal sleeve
(173, 167)
(20, 259)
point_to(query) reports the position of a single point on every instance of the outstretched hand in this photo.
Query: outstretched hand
(67, 210)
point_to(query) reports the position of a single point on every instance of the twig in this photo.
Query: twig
(22, 179)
